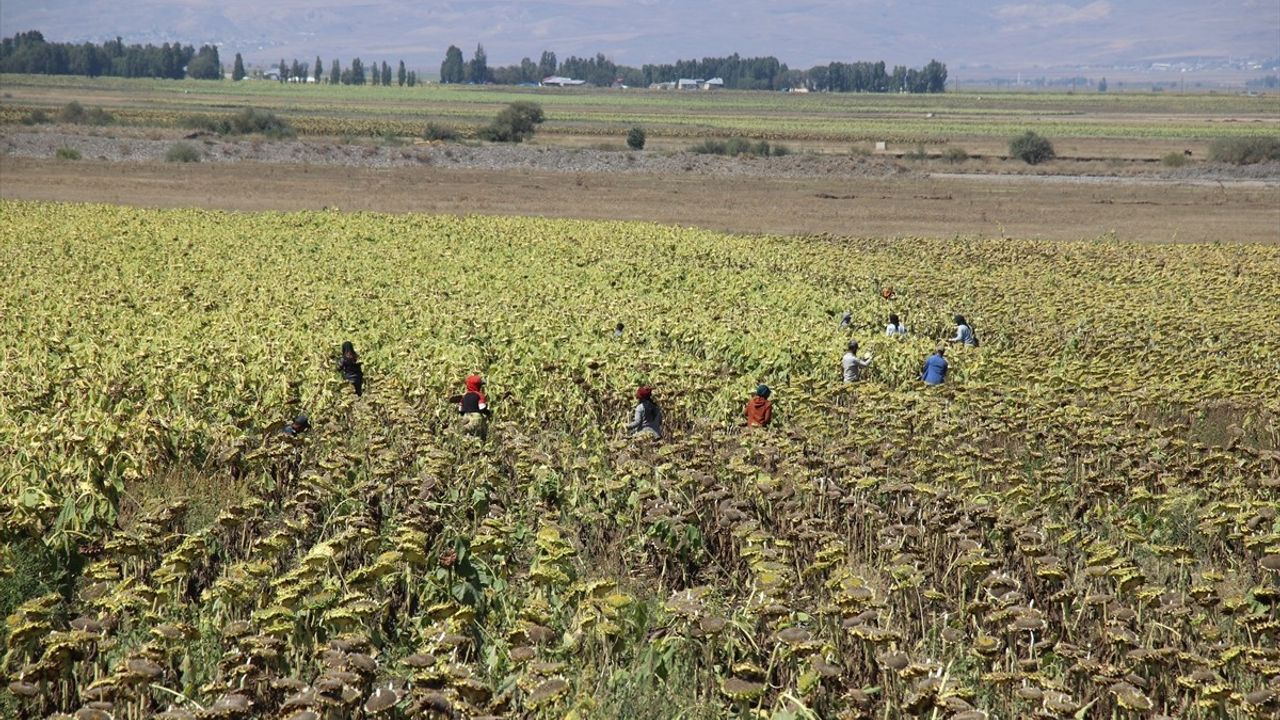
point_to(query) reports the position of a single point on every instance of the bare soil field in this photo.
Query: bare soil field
(868, 204)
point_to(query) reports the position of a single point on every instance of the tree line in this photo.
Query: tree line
(752, 73)
(357, 73)
(29, 52)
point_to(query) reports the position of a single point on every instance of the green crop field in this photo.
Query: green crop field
(834, 117)
(1080, 523)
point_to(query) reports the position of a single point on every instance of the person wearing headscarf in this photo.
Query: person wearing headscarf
(647, 419)
(617, 331)
(759, 410)
(935, 367)
(474, 408)
(895, 328)
(964, 333)
(349, 366)
(851, 364)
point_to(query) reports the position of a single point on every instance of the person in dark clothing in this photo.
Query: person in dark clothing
(759, 410)
(617, 332)
(299, 426)
(647, 419)
(349, 366)
(474, 408)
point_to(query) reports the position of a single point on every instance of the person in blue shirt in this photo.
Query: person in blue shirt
(935, 368)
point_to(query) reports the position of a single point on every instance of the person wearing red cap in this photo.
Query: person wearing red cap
(648, 416)
(474, 408)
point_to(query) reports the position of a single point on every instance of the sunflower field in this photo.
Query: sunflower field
(1081, 523)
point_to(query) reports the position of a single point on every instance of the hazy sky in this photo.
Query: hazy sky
(1002, 33)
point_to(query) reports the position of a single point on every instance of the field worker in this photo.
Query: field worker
(474, 408)
(299, 426)
(349, 366)
(617, 332)
(846, 320)
(895, 328)
(648, 416)
(935, 368)
(964, 333)
(852, 364)
(759, 410)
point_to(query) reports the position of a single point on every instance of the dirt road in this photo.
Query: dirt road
(915, 205)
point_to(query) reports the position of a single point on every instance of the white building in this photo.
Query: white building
(557, 81)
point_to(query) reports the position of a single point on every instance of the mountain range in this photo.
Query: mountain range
(1005, 34)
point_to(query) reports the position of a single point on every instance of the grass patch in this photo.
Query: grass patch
(1174, 160)
(955, 155)
(65, 153)
(183, 153)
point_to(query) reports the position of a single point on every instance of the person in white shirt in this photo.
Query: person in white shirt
(895, 328)
(852, 364)
(964, 333)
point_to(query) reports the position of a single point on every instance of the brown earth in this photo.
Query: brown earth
(913, 205)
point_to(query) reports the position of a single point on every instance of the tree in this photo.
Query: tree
(357, 72)
(478, 68)
(317, 71)
(1031, 148)
(401, 75)
(935, 77)
(237, 72)
(413, 78)
(284, 70)
(636, 138)
(547, 64)
(204, 66)
(335, 72)
(515, 123)
(453, 69)
(386, 74)
(1102, 85)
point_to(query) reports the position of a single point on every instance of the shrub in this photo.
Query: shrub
(515, 123)
(182, 152)
(66, 153)
(918, 153)
(245, 122)
(36, 117)
(955, 155)
(74, 112)
(1031, 148)
(636, 138)
(1244, 150)
(1174, 159)
(735, 147)
(435, 131)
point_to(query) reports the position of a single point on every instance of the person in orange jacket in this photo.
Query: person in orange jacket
(759, 410)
